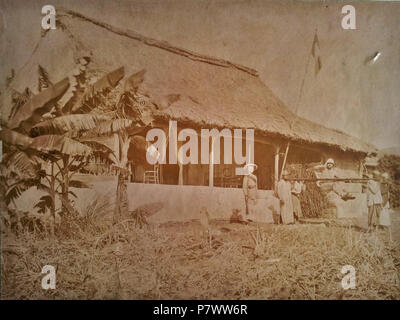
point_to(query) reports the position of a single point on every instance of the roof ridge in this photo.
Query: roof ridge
(164, 45)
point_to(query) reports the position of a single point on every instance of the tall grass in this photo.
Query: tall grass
(176, 261)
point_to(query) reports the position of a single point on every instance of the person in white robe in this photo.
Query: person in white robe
(283, 191)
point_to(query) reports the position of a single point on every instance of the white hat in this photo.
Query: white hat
(385, 175)
(376, 173)
(251, 165)
(285, 173)
(330, 160)
(152, 154)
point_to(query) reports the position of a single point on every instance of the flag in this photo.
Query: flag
(315, 51)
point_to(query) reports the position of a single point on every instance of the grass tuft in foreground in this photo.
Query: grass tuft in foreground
(182, 261)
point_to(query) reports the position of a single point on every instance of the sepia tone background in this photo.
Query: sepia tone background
(180, 234)
(270, 36)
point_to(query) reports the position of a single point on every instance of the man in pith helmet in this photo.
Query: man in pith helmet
(335, 191)
(250, 190)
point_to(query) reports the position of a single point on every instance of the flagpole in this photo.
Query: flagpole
(304, 78)
(315, 41)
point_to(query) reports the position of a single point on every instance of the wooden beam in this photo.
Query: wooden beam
(276, 176)
(161, 174)
(180, 177)
(211, 166)
(180, 165)
(284, 159)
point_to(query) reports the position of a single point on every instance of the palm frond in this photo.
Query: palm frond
(133, 81)
(109, 127)
(127, 106)
(69, 123)
(137, 109)
(15, 191)
(45, 202)
(77, 79)
(97, 147)
(23, 163)
(15, 138)
(86, 101)
(44, 80)
(73, 194)
(61, 144)
(18, 100)
(35, 107)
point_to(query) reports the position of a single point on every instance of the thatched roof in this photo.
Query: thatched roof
(206, 91)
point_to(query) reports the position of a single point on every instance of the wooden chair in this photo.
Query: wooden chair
(152, 176)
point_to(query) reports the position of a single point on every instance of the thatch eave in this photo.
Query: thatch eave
(160, 117)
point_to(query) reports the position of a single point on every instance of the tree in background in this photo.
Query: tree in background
(391, 165)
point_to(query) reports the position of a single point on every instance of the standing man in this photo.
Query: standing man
(250, 190)
(385, 221)
(297, 188)
(385, 190)
(374, 200)
(283, 190)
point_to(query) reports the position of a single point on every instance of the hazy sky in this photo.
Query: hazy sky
(272, 37)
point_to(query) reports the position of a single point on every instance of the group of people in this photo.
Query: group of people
(377, 192)
(287, 193)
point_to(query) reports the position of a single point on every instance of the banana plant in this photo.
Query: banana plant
(45, 133)
(128, 107)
